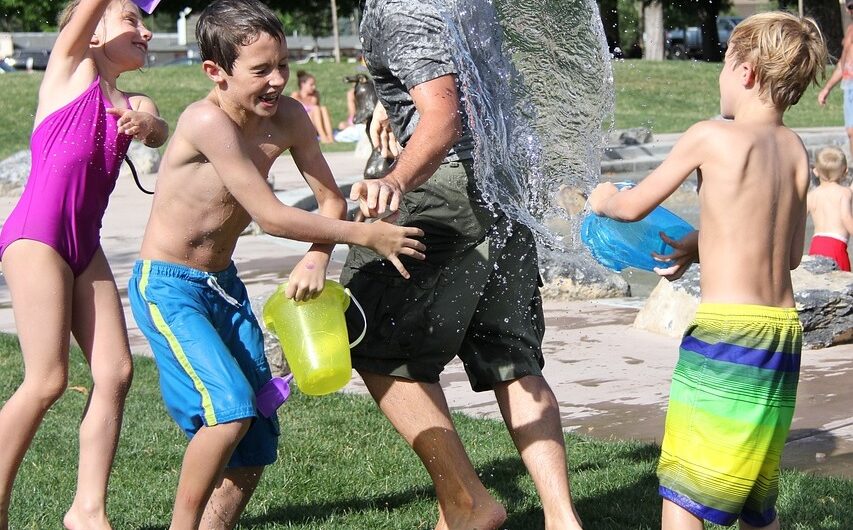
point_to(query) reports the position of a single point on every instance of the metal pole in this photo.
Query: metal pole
(800, 7)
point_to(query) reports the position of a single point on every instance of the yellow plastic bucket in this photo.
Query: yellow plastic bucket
(313, 336)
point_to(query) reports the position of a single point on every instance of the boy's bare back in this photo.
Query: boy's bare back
(195, 219)
(754, 180)
(830, 207)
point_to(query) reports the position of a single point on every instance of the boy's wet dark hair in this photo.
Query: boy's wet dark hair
(226, 25)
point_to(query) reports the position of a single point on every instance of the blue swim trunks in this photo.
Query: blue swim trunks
(209, 351)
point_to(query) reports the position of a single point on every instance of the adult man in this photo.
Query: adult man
(843, 73)
(475, 296)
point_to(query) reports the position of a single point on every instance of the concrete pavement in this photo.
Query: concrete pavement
(610, 379)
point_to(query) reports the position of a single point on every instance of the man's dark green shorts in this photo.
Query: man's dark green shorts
(476, 296)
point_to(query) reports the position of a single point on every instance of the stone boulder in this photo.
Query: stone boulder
(822, 293)
(145, 159)
(14, 172)
(575, 280)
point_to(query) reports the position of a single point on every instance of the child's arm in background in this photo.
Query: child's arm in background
(309, 275)
(847, 210)
(635, 203)
(214, 135)
(142, 121)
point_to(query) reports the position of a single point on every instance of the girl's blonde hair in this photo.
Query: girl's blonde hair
(787, 52)
(831, 164)
(67, 13)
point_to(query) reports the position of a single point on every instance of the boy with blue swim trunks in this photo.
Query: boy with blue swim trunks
(185, 293)
(735, 384)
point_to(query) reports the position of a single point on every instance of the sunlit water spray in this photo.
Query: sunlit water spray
(537, 87)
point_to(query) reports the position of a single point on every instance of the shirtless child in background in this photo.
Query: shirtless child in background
(830, 207)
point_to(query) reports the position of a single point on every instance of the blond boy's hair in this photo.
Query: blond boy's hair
(787, 53)
(831, 164)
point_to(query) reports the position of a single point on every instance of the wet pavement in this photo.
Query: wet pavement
(612, 381)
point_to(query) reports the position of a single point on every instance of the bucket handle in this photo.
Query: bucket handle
(363, 316)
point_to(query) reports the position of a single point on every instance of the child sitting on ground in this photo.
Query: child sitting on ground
(185, 293)
(830, 207)
(734, 387)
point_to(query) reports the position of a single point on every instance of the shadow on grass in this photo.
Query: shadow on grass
(324, 510)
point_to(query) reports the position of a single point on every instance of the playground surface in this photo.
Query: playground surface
(612, 381)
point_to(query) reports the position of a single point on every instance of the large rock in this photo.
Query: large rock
(145, 159)
(14, 172)
(578, 280)
(823, 295)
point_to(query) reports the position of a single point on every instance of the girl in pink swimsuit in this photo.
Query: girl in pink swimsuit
(58, 277)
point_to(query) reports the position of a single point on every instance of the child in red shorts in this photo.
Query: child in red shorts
(830, 207)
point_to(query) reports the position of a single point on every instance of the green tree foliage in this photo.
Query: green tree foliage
(29, 15)
(312, 17)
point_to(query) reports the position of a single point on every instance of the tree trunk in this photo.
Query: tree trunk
(710, 38)
(653, 31)
(827, 14)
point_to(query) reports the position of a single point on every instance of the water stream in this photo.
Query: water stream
(538, 87)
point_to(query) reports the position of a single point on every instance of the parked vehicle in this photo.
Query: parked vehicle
(686, 43)
(317, 57)
(180, 61)
(29, 59)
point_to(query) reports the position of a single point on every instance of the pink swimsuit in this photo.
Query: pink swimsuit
(76, 156)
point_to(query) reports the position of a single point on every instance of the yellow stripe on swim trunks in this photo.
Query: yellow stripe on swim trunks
(177, 350)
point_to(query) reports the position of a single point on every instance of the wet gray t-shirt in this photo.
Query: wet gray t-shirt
(405, 43)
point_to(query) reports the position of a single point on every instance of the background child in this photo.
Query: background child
(734, 387)
(57, 274)
(185, 294)
(309, 96)
(830, 207)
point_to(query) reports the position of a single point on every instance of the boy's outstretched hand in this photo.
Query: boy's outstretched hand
(685, 252)
(392, 241)
(600, 195)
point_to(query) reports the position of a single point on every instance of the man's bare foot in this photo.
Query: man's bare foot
(485, 516)
(75, 519)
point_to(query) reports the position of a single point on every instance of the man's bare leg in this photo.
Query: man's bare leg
(532, 415)
(420, 414)
(230, 497)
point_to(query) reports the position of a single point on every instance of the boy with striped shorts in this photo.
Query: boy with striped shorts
(734, 387)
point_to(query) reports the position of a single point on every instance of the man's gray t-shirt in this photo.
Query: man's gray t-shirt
(405, 43)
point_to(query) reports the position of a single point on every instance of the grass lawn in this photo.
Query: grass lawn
(341, 466)
(664, 96)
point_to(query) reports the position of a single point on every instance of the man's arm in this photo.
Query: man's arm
(439, 127)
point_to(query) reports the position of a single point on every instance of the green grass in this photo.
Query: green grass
(341, 466)
(669, 96)
(665, 96)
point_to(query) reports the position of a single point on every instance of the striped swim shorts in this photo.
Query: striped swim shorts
(730, 408)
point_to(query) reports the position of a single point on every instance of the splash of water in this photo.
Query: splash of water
(538, 87)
